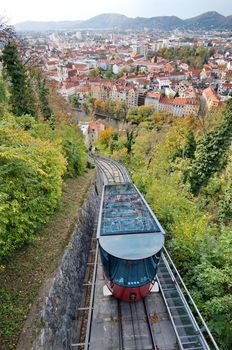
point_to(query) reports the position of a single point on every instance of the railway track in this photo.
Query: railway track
(135, 326)
(111, 171)
(164, 321)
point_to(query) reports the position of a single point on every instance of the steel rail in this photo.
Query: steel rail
(99, 178)
(115, 169)
(111, 162)
(133, 325)
(104, 174)
(116, 177)
(154, 345)
(137, 339)
(137, 317)
(123, 169)
(101, 173)
(120, 328)
(108, 170)
(120, 167)
(105, 171)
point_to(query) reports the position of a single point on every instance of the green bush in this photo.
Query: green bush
(73, 149)
(31, 173)
(72, 145)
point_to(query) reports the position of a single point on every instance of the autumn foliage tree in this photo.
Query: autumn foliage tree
(104, 136)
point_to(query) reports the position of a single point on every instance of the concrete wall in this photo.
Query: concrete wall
(60, 309)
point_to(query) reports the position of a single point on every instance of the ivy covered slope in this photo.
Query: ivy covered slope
(184, 168)
(37, 151)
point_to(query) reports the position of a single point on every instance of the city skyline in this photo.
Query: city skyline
(53, 11)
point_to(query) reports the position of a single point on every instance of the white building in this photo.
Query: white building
(62, 72)
(164, 83)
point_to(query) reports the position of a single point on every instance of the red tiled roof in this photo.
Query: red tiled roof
(210, 94)
(94, 125)
(179, 101)
(68, 85)
(95, 88)
(83, 88)
(81, 67)
(154, 95)
(227, 85)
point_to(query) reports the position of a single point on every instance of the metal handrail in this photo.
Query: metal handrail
(186, 305)
(90, 313)
(192, 301)
(169, 313)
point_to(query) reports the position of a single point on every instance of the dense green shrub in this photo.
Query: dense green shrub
(35, 155)
(73, 149)
(69, 137)
(31, 173)
(211, 152)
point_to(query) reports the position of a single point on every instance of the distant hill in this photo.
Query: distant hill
(206, 21)
(107, 20)
(165, 22)
(111, 20)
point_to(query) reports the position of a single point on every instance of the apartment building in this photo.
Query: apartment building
(212, 100)
(179, 107)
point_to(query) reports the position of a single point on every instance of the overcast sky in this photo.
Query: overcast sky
(53, 10)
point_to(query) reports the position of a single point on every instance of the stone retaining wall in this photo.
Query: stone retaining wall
(60, 308)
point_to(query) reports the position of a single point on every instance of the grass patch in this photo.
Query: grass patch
(29, 268)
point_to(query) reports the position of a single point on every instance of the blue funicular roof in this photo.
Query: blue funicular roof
(127, 227)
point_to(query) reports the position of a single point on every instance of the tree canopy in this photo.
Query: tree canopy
(37, 152)
(22, 98)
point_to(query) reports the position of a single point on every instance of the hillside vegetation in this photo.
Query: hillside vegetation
(184, 168)
(195, 57)
(38, 150)
(42, 156)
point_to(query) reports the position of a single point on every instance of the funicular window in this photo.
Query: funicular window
(133, 273)
(129, 273)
